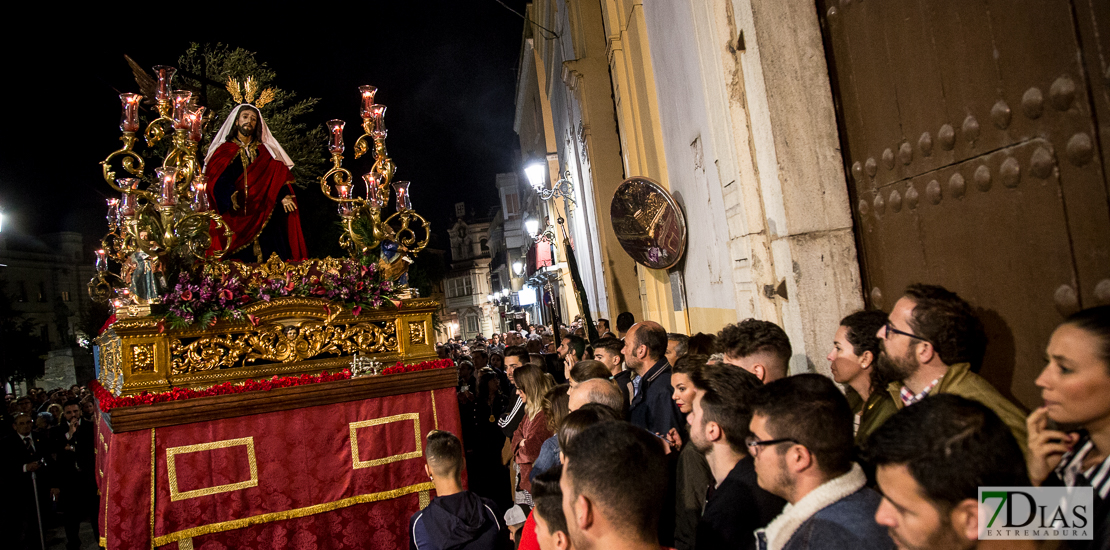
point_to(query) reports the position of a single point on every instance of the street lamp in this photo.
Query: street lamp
(532, 225)
(561, 189)
(518, 268)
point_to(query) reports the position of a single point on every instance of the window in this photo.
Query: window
(459, 286)
(65, 296)
(472, 323)
(512, 205)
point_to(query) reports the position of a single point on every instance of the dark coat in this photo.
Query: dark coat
(462, 521)
(652, 408)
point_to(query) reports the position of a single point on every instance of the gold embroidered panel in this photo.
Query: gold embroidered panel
(358, 463)
(171, 468)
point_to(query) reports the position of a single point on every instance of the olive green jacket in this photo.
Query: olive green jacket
(873, 413)
(959, 380)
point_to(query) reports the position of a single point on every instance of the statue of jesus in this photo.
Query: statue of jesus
(250, 185)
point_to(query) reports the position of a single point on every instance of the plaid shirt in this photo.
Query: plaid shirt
(908, 397)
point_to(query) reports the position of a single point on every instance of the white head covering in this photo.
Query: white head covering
(267, 138)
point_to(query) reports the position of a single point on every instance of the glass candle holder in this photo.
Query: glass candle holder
(345, 208)
(180, 106)
(368, 93)
(164, 74)
(401, 190)
(196, 124)
(168, 193)
(113, 212)
(200, 193)
(335, 146)
(102, 260)
(127, 206)
(377, 117)
(129, 118)
(373, 190)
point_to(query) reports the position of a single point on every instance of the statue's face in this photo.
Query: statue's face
(247, 121)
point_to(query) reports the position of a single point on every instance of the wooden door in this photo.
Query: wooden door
(975, 135)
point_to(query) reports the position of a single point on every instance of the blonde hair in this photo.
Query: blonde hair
(535, 384)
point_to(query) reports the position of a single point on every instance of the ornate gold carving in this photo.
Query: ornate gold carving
(142, 358)
(357, 464)
(282, 344)
(171, 468)
(290, 514)
(417, 335)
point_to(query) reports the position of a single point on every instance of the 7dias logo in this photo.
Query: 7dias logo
(1035, 513)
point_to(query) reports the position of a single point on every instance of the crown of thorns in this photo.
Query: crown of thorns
(246, 93)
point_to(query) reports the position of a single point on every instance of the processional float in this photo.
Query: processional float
(261, 405)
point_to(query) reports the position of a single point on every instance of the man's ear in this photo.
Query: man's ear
(583, 513)
(799, 459)
(562, 540)
(428, 470)
(713, 431)
(965, 519)
(925, 352)
(760, 372)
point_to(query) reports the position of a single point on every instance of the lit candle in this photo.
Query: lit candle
(196, 124)
(401, 189)
(164, 73)
(336, 128)
(127, 206)
(200, 193)
(167, 177)
(344, 193)
(129, 119)
(373, 190)
(101, 260)
(368, 93)
(377, 114)
(180, 105)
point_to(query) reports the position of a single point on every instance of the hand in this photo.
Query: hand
(674, 439)
(667, 447)
(288, 203)
(235, 200)
(1046, 447)
(569, 361)
(32, 466)
(73, 425)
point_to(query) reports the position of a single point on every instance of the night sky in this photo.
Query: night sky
(446, 71)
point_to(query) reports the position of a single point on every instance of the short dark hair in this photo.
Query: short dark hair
(622, 469)
(519, 352)
(480, 351)
(613, 345)
(625, 321)
(548, 499)
(810, 409)
(701, 344)
(444, 453)
(588, 370)
(577, 343)
(752, 336)
(1096, 321)
(949, 323)
(606, 321)
(863, 328)
(73, 402)
(688, 364)
(951, 446)
(683, 346)
(726, 401)
(587, 415)
(652, 336)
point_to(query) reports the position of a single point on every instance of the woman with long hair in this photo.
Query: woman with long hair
(532, 384)
(852, 360)
(1069, 436)
(692, 474)
(556, 405)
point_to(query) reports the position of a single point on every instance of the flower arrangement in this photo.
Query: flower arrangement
(203, 296)
(108, 401)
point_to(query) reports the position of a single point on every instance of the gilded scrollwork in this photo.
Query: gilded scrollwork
(142, 358)
(416, 332)
(281, 344)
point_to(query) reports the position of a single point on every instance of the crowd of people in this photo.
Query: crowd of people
(648, 439)
(49, 461)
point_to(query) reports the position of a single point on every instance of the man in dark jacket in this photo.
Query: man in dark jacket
(803, 446)
(24, 455)
(652, 407)
(75, 469)
(455, 519)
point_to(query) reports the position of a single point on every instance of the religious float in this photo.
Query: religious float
(275, 402)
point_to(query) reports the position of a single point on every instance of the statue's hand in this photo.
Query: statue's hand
(235, 200)
(288, 203)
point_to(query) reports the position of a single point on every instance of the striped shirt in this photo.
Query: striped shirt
(1072, 473)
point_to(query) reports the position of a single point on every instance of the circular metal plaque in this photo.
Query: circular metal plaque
(648, 222)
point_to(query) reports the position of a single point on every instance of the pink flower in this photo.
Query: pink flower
(187, 295)
(356, 310)
(225, 294)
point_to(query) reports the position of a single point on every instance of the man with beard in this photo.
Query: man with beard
(719, 418)
(931, 459)
(929, 342)
(249, 178)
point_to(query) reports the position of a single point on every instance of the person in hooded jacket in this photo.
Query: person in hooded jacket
(456, 519)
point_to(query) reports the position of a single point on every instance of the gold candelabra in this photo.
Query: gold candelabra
(157, 221)
(364, 228)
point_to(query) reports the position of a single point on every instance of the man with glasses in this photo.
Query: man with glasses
(802, 444)
(736, 506)
(930, 342)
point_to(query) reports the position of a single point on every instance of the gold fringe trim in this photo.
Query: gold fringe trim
(290, 514)
(435, 415)
(103, 542)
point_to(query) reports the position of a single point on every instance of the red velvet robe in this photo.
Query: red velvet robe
(265, 176)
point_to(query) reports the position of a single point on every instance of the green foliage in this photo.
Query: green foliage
(217, 62)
